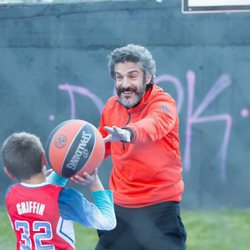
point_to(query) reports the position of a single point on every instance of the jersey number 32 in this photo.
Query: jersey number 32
(41, 231)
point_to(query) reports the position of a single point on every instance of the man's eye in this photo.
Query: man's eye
(118, 77)
(133, 76)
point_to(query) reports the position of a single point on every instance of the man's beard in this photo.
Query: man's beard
(132, 101)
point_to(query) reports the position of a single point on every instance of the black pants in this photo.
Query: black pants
(157, 227)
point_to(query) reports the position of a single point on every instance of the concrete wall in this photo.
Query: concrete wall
(54, 67)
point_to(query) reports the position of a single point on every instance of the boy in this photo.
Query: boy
(41, 213)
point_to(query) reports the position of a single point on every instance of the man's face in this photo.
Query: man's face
(130, 83)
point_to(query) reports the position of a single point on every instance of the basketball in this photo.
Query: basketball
(74, 147)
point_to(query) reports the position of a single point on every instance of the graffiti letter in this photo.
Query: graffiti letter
(82, 91)
(193, 117)
(177, 84)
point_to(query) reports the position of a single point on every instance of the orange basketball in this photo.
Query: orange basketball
(74, 147)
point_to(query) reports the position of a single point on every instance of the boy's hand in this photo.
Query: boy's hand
(86, 179)
(48, 172)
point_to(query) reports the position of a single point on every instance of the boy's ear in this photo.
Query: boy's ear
(9, 174)
(44, 163)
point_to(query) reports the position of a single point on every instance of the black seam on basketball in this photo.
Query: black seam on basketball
(79, 153)
(90, 156)
(49, 140)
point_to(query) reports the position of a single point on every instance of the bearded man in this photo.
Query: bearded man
(140, 127)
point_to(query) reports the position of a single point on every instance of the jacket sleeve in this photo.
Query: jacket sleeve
(104, 133)
(73, 206)
(160, 119)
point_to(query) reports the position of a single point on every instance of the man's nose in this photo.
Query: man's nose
(125, 82)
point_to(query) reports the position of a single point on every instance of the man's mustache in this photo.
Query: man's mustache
(121, 90)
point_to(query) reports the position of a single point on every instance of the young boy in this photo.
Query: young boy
(41, 213)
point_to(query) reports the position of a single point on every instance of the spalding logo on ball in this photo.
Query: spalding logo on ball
(74, 147)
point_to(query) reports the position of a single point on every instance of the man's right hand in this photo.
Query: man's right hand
(117, 134)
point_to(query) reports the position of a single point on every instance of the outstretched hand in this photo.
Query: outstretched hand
(117, 134)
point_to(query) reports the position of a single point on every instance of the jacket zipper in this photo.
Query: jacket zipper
(129, 117)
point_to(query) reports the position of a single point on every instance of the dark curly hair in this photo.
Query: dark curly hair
(133, 53)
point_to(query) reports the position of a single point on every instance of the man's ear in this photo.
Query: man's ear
(148, 78)
(9, 174)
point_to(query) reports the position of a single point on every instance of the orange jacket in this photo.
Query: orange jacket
(147, 170)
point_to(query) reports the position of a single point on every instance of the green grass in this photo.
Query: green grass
(223, 230)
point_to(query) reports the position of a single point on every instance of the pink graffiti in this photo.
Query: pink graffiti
(194, 117)
(51, 118)
(175, 81)
(71, 89)
(244, 112)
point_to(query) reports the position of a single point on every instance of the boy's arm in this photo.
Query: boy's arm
(104, 202)
(56, 179)
(73, 206)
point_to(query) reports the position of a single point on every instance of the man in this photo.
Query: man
(140, 127)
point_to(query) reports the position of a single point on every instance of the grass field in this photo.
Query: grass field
(223, 230)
